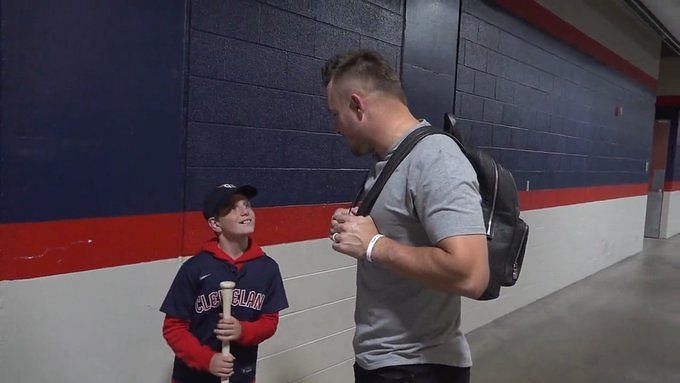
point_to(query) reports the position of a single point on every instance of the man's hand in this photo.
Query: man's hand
(350, 233)
(228, 329)
(222, 366)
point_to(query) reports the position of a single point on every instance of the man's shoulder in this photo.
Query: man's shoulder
(436, 147)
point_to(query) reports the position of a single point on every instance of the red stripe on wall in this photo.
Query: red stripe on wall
(30, 250)
(539, 199)
(545, 20)
(672, 186)
(46, 248)
(668, 101)
(275, 225)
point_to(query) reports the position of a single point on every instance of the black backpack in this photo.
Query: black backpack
(506, 233)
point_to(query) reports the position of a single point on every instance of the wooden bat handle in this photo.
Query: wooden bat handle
(227, 289)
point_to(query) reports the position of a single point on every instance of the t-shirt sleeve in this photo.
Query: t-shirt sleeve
(276, 295)
(179, 301)
(445, 190)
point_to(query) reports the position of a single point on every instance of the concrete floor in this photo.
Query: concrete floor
(619, 325)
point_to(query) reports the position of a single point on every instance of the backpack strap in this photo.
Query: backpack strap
(399, 154)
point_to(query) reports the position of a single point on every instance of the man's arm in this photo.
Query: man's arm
(458, 264)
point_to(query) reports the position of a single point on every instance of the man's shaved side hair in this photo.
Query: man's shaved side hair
(372, 70)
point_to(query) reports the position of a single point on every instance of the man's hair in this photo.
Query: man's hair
(371, 69)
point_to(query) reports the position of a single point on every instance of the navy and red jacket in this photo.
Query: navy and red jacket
(193, 304)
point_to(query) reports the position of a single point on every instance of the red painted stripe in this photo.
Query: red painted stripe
(545, 20)
(539, 199)
(275, 225)
(672, 186)
(38, 249)
(47, 248)
(668, 101)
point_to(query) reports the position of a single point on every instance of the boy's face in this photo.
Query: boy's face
(237, 221)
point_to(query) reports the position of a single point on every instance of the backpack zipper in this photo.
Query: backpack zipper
(493, 205)
(515, 267)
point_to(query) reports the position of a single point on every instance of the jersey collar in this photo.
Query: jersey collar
(252, 252)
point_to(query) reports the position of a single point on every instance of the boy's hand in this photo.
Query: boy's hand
(228, 329)
(222, 366)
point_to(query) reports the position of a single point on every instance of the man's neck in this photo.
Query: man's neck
(392, 128)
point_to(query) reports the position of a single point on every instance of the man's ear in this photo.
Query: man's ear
(357, 104)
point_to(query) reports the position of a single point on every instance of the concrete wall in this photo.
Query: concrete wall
(670, 214)
(668, 108)
(546, 111)
(670, 209)
(274, 51)
(614, 25)
(669, 77)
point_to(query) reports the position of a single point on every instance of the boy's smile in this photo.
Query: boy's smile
(239, 220)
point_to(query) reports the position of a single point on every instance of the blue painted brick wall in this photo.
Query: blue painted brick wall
(545, 110)
(91, 109)
(673, 164)
(429, 57)
(257, 111)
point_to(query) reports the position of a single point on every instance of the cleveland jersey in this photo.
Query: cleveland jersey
(195, 296)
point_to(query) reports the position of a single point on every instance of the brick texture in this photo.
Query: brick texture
(257, 111)
(545, 110)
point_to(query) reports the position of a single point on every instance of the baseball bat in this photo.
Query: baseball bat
(227, 289)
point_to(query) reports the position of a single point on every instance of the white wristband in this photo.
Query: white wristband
(371, 244)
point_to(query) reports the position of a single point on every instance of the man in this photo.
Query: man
(422, 247)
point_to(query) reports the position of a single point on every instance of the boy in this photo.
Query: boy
(193, 325)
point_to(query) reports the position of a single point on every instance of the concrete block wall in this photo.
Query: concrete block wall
(670, 210)
(669, 76)
(668, 108)
(244, 52)
(614, 25)
(429, 70)
(545, 110)
(80, 87)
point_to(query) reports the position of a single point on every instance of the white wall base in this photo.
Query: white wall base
(670, 214)
(566, 244)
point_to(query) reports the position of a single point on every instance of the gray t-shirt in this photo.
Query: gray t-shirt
(432, 195)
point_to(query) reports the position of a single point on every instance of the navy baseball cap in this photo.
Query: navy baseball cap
(219, 197)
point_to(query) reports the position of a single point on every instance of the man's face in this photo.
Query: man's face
(347, 122)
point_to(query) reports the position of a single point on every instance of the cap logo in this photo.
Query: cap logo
(227, 186)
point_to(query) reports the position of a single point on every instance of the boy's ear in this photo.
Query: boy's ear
(214, 224)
